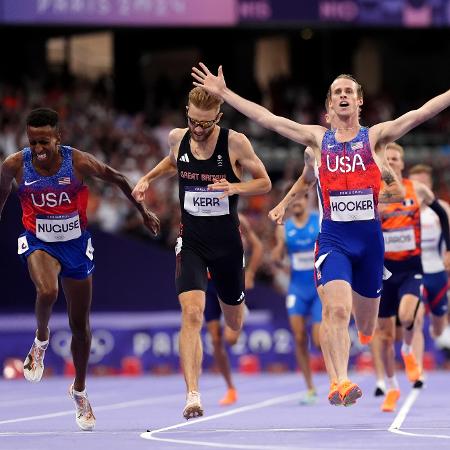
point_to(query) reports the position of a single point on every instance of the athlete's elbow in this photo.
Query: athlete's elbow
(267, 186)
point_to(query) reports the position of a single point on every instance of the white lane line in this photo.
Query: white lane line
(263, 404)
(402, 414)
(119, 405)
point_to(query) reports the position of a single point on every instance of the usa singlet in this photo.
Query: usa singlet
(209, 234)
(350, 244)
(54, 216)
(302, 298)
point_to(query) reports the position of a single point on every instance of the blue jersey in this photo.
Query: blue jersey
(300, 243)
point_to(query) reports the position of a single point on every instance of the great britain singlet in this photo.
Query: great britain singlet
(401, 226)
(54, 207)
(205, 217)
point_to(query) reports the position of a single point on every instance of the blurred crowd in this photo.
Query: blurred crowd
(134, 144)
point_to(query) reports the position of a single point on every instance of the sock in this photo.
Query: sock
(392, 382)
(406, 349)
(41, 344)
(80, 393)
(381, 384)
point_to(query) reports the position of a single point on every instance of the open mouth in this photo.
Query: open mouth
(343, 104)
(41, 156)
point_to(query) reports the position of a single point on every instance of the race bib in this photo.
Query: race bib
(58, 228)
(399, 240)
(303, 260)
(198, 201)
(348, 206)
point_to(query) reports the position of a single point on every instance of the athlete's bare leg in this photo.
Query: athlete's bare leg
(375, 348)
(78, 295)
(233, 315)
(438, 325)
(44, 271)
(220, 353)
(231, 336)
(365, 311)
(386, 334)
(298, 326)
(323, 337)
(407, 313)
(335, 339)
(191, 351)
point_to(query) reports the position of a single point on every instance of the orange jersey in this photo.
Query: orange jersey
(401, 226)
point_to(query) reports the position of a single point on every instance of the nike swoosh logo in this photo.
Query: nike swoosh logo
(27, 183)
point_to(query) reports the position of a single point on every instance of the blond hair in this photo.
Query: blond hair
(396, 147)
(421, 168)
(203, 100)
(359, 89)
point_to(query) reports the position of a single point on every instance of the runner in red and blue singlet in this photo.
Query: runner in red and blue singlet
(56, 244)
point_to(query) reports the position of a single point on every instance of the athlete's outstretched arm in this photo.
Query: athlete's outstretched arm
(246, 158)
(394, 129)
(301, 186)
(310, 135)
(257, 251)
(8, 172)
(88, 166)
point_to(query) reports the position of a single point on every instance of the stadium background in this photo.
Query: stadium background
(118, 72)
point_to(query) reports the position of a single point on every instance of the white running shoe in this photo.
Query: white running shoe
(193, 406)
(84, 415)
(33, 366)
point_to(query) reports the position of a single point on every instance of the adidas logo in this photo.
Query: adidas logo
(184, 158)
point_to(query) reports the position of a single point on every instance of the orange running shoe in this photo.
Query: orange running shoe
(411, 367)
(333, 396)
(349, 392)
(390, 401)
(364, 339)
(229, 398)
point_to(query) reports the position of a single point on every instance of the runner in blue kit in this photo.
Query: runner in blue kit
(210, 162)
(56, 243)
(349, 163)
(298, 237)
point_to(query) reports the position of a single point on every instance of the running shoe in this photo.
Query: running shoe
(333, 396)
(84, 415)
(33, 366)
(193, 406)
(364, 339)
(349, 392)
(390, 401)
(229, 398)
(309, 398)
(411, 367)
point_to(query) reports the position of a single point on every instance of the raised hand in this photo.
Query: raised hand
(277, 214)
(213, 84)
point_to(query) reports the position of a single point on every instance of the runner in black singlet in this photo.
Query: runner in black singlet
(210, 162)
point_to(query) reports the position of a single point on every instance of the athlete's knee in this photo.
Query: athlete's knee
(386, 335)
(231, 337)
(47, 294)
(339, 313)
(192, 315)
(216, 339)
